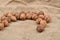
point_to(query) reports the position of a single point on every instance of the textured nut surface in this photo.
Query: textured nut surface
(22, 16)
(41, 16)
(38, 20)
(43, 23)
(1, 26)
(41, 13)
(40, 28)
(5, 22)
(34, 16)
(47, 18)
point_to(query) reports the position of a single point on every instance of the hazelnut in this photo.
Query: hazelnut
(41, 16)
(34, 16)
(22, 16)
(13, 18)
(28, 15)
(41, 13)
(38, 20)
(43, 23)
(47, 18)
(5, 22)
(17, 16)
(1, 26)
(40, 28)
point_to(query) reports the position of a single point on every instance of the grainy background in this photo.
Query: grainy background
(26, 30)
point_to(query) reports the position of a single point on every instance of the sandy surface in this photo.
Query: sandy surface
(25, 30)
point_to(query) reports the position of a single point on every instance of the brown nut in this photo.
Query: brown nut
(17, 15)
(40, 28)
(43, 23)
(34, 16)
(22, 16)
(38, 20)
(47, 18)
(1, 26)
(41, 16)
(5, 18)
(5, 22)
(28, 15)
(5, 14)
(13, 18)
(41, 13)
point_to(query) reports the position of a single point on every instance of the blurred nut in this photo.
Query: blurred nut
(1, 26)
(38, 20)
(5, 22)
(43, 23)
(34, 16)
(41, 13)
(41, 16)
(13, 18)
(47, 18)
(40, 28)
(22, 16)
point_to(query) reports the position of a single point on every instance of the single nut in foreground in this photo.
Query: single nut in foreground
(38, 20)
(47, 18)
(43, 23)
(1, 26)
(5, 22)
(41, 13)
(40, 28)
(34, 16)
(22, 16)
(13, 18)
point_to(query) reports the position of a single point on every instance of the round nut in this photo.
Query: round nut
(5, 14)
(40, 28)
(5, 22)
(43, 23)
(1, 26)
(38, 20)
(34, 16)
(47, 18)
(22, 16)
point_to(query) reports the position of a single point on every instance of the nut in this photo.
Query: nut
(38, 20)
(34, 16)
(1, 26)
(13, 18)
(40, 28)
(5, 14)
(47, 18)
(29, 15)
(22, 16)
(17, 16)
(41, 16)
(43, 23)
(5, 22)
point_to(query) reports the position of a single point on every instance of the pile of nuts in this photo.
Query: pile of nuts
(41, 18)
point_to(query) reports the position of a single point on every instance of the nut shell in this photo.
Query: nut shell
(43, 23)
(34, 16)
(41, 13)
(38, 20)
(41, 16)
(22, 16)
(5, 22)
(40, 28)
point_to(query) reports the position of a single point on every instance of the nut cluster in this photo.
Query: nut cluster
(41, 19)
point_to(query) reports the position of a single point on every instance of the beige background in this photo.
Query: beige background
(26, 30)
